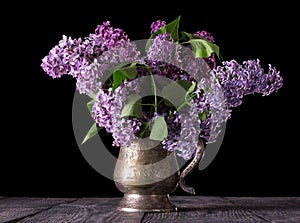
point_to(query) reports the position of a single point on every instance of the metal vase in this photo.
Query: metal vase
(146, 174)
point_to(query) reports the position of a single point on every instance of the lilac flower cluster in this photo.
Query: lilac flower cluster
(218, 88)
(89, 82)
(74, 56)
(196, 68)
(211, 105)
(238, 80)
(173, 61)
(162, 49)
(190, 132)
(65, 58)
(206, 35)
(202, 119)
(174, 128)
(157, 25)
(107, 37)
(107, 113)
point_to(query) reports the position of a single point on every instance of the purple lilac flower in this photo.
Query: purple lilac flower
(73, 56)
(162, 69)
(53, 65)
(174, 127)
(64, 58)
(127, 52)
(206, 35)
(238, 80)
(162, 49)
(189, 133)
(210, 101)
(259, 81)
(166, 59)
(107, 113)
(101, 109)
(89, 82)
(104, 38)
(216, 92)
(211, 61)
(175, 61)
(124, 130)
(155, 26)
(183, 132)
(189, 68)
(196, 68)
(186, 126)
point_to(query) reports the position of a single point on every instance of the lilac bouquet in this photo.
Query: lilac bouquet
(174, 90)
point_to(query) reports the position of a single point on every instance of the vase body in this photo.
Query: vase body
(146, 174)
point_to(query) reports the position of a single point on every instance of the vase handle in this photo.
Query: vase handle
(197, 158)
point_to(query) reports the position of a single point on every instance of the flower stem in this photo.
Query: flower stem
(155, 93)
(161, 100)
(149, 104)
(154, 88)
(185, 102)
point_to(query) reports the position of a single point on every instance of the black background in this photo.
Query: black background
(39, 155)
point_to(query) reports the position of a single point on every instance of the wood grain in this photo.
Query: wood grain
(279, 209)
(86, 210)
(203, 209)
(17, 208)
(191, 209)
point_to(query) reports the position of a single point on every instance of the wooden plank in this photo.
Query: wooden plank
(191, 209)
(86, 210)
(275, 209)
(203, 209)
(13, 208)
(122, 217)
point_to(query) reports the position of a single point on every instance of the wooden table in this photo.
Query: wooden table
(192, 209)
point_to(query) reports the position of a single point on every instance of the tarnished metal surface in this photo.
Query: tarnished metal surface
(146, 174)
(194, 163)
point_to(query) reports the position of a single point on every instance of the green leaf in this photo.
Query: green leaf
(187, 36)
(203, 115)
(89, 106)
(92, 132)
(129, 72)
(200, 46)
(93, 96)
(120, 75)
(143, 129)
(190, 90)
(118, 79)
(132, 106)
(203, 48)
(186, 84)
(159, 130)
(174, 93)
(171, 28)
